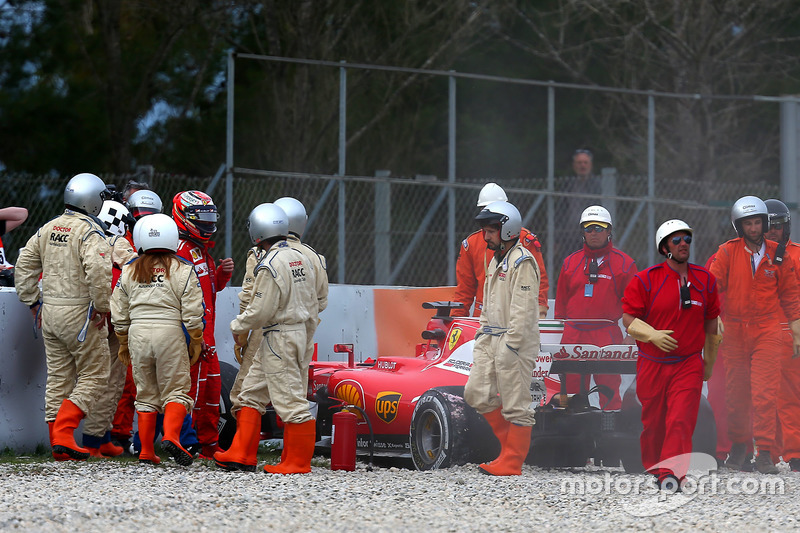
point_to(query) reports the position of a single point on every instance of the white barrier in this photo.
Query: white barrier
(349, 318)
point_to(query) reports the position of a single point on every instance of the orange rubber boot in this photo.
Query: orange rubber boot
(174, 413)
(67, 420)
(518, 444)
(109, 449)
(147, 434)
(101, 446)
(94, 452)
(56, 456)
(243, 452)
(298, 441)
(499, 426)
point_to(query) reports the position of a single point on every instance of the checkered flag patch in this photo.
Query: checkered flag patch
(114, 214)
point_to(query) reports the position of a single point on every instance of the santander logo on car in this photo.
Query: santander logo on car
(589, 352)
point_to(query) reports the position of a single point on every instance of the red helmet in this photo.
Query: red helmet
(195, 214)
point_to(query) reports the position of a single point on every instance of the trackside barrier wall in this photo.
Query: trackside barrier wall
(376, 320)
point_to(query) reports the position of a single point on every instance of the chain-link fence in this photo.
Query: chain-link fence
(397, 230)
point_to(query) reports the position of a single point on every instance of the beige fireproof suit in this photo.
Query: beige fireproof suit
(101, 419)
(317, 261)
(155, 316)
(284, 302)
(74, 258)
(508, 339)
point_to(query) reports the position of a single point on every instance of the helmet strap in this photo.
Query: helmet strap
(779, 253)
(669, 256)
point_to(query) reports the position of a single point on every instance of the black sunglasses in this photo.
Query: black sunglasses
(686, 238)
(593, 228)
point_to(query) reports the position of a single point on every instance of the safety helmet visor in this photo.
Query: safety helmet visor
(778, 219)
(488, 218)
(202, 213)
(203, 217)
(139, 212)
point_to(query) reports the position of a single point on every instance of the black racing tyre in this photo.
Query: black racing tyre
(444, 428)
(227, 422)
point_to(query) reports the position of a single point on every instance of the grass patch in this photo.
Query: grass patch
(42, 454)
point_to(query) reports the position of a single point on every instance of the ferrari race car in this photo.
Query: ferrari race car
(416, 409)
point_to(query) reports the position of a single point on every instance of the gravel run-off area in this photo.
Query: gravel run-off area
(125, 496)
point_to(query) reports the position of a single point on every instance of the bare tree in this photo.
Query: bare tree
(129, 50)
(291, 120)
(700, 47)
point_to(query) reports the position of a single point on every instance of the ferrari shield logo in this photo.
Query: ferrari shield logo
(386, 405)
(454, 336)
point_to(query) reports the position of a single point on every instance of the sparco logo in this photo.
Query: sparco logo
(154, 233)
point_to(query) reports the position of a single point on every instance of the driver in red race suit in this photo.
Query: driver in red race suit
(474, 258)
(507, 342)
(755, 287)
(196, 216)
(590, 286)
(672, 311)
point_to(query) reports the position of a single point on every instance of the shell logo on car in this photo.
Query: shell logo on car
(350, 392)
(386, 405)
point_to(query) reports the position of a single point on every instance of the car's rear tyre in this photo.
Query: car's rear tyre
(444, 429)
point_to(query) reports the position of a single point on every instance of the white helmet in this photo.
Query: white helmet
(85, 193)
(143, 203)
(668, 228)
(491, 192)
(506, 215)
(746, 207)
(596, 214)
(155, 233)
(116, 217)
(267, 221)
(296, 212)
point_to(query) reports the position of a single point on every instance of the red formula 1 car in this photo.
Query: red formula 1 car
(416, 408)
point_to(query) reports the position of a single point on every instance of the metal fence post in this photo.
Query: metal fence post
(229, 159)
(451, 178)
(651, 175)
(342, 257)
(383, 228)
(551, 186)
(608, 183)
(790, 159)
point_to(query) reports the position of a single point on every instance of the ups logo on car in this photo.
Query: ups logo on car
(386, 405)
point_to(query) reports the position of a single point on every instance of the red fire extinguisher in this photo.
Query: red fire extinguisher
(343, 441)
